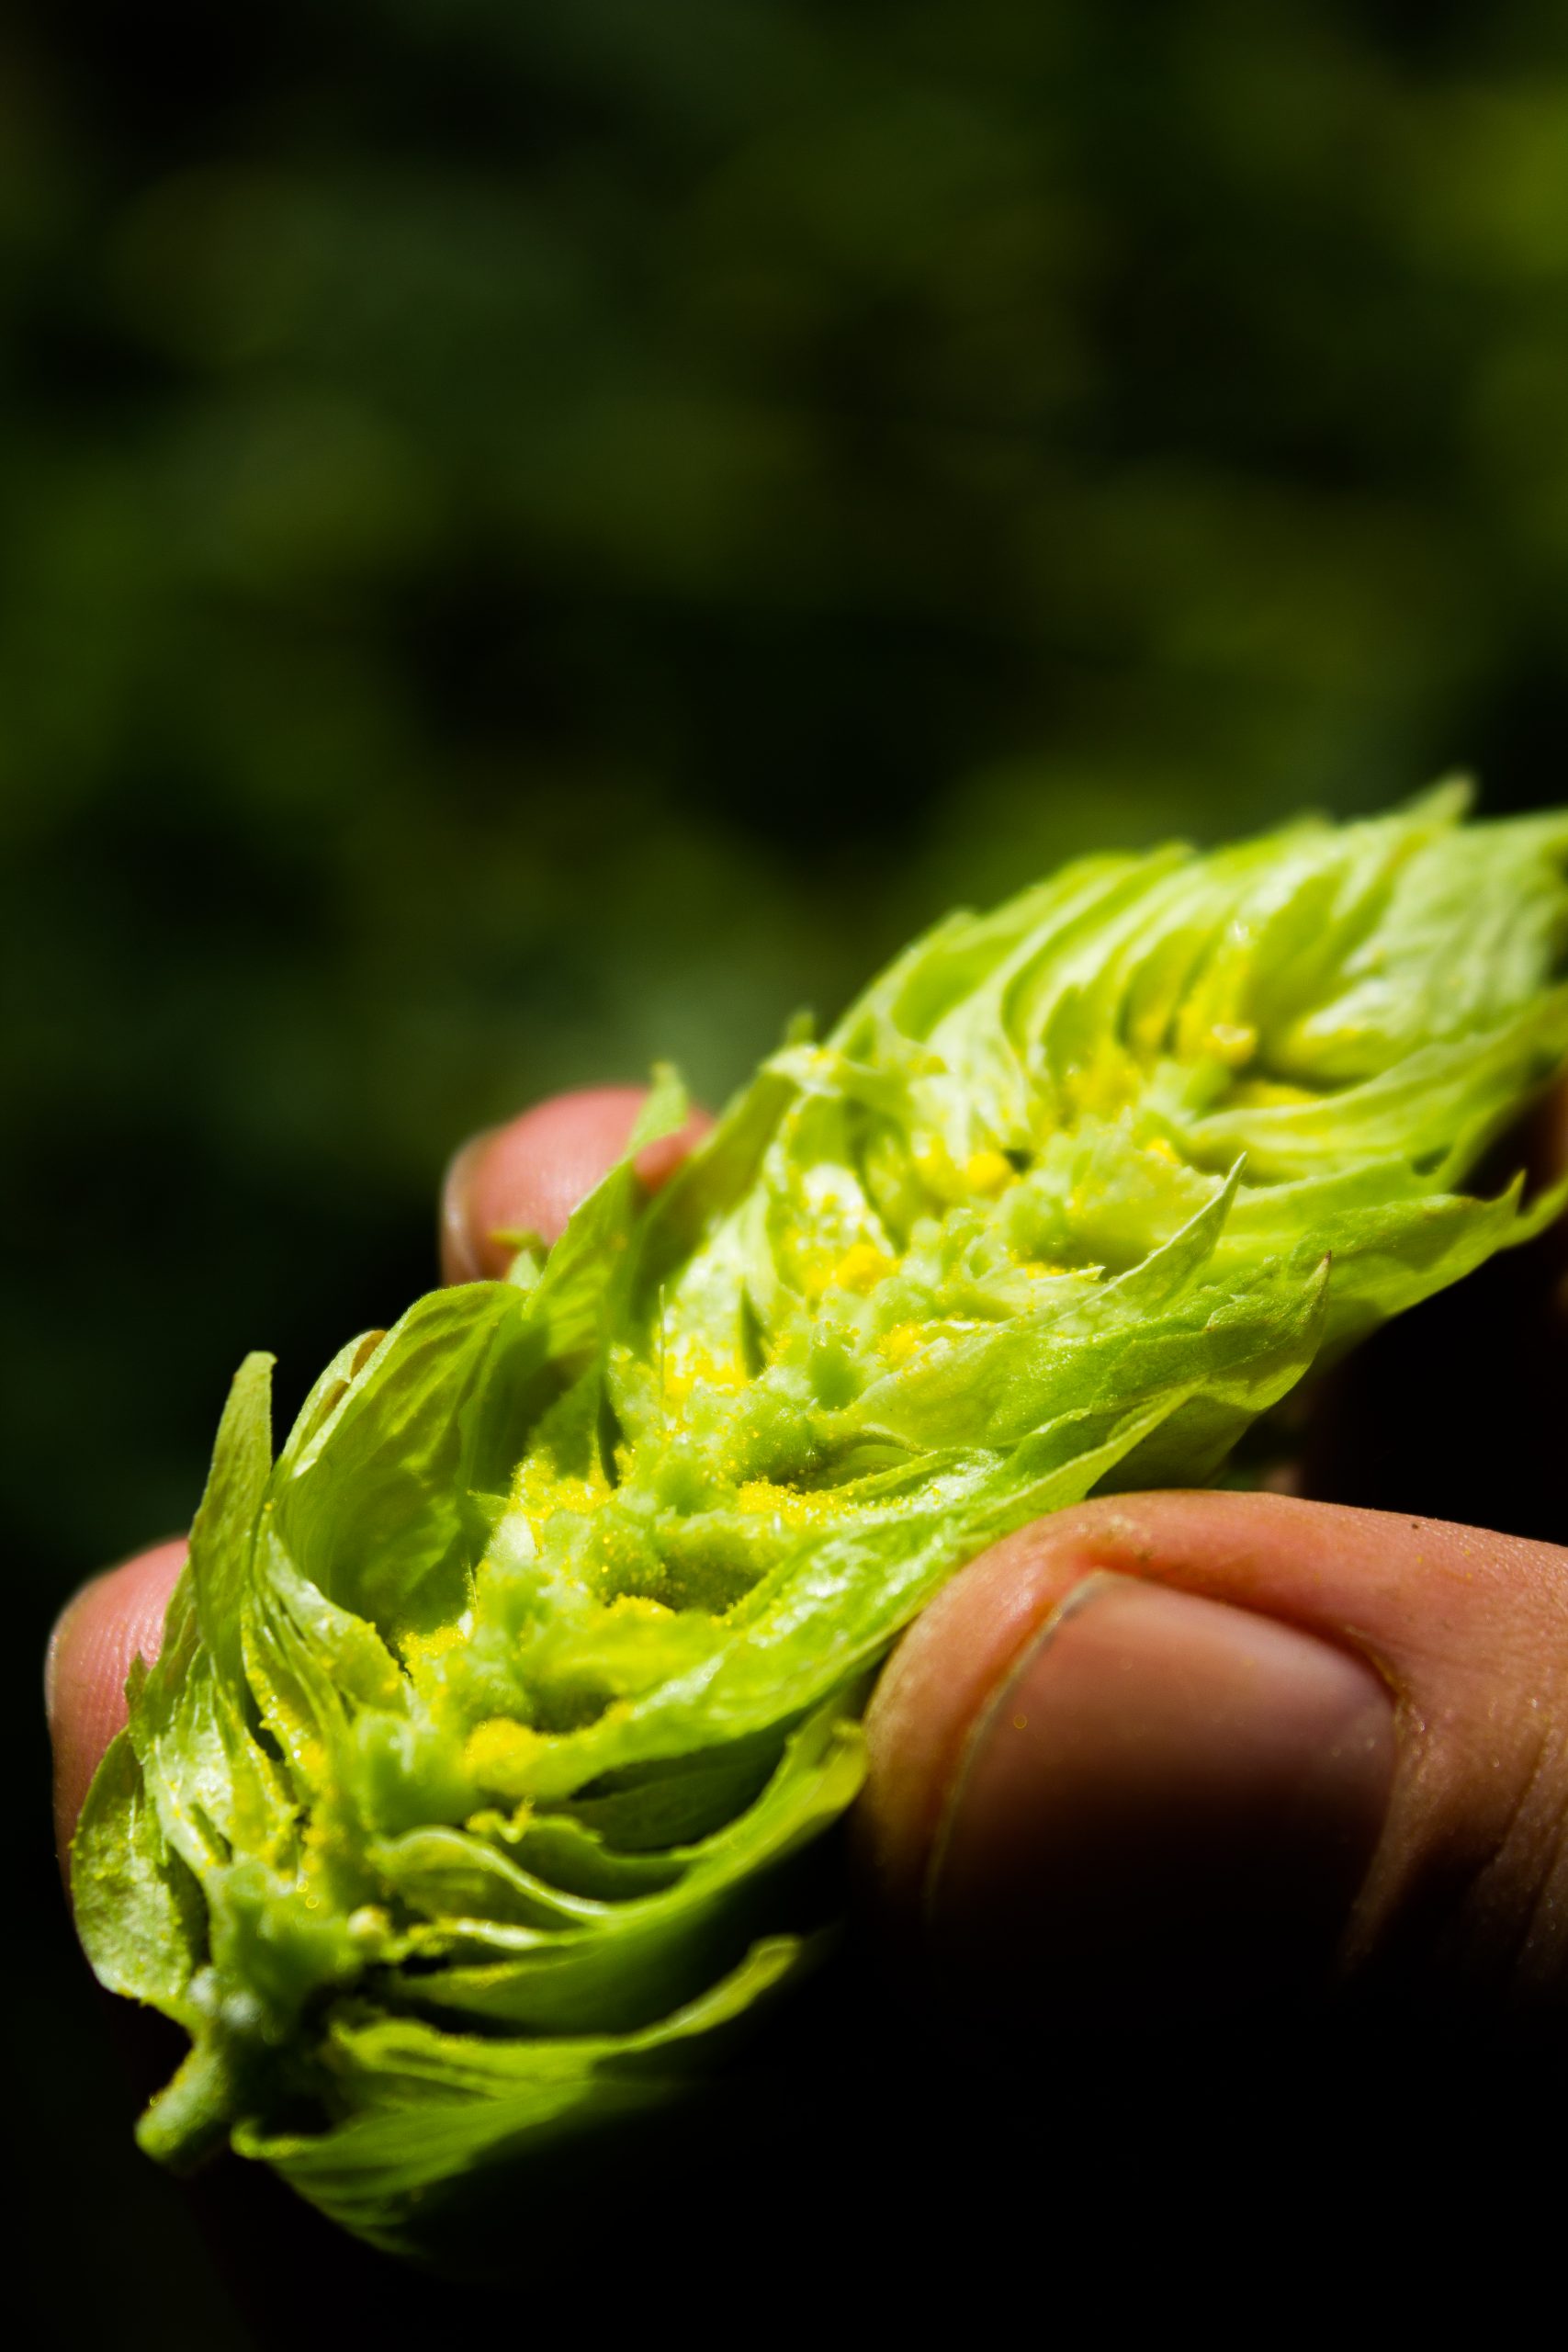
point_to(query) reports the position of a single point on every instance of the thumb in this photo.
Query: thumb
(1210, 1751)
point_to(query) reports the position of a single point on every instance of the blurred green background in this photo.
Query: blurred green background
(540, 536)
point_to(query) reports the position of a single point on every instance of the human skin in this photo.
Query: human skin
(1249, 1739)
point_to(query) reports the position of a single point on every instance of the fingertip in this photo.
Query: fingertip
(1229, 1698)
(1036, 1764)
(529, 1175)
(1169, 1808)
(116, 1617)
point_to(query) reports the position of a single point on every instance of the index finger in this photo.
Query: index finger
(528, 1176)
(117, 1617)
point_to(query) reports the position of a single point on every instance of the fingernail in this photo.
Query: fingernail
(1170, 1806)
(51, 1662)
(460, 1258)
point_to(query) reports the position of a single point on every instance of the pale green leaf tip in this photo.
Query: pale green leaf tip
(665, 1109)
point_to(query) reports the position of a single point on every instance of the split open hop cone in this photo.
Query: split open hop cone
(478, 1793)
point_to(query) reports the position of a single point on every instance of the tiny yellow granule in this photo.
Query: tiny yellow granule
(1159, 1148)
(987, 1172)
(861, 1268)
(494, 1752)
(688, 1365)
(420, 1649)
(1269, 1094)
(900, 1343)
(1104, 1086)
(1232, 1043)
(933, 1164)
(538, 1490)
(761, 1495)
(637, 1604)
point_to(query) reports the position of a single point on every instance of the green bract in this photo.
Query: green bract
(472, 1793)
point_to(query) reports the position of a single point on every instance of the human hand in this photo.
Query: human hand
(1163, 1759)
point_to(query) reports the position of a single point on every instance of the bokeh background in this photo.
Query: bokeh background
(544, 532)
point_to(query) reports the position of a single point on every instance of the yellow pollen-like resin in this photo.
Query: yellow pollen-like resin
(760, 1495)
(901, 1342)
(987, 1171)
(494, 1752)
(861, 1267)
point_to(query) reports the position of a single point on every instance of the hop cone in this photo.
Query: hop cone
(478, 1792)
